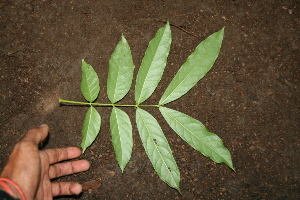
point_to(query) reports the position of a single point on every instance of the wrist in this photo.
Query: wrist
(11, 188)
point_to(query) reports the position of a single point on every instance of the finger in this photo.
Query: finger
(60, 154)
(36, 135)
(62, 169)
(66, 188)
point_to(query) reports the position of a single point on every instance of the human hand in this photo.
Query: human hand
(33, 169)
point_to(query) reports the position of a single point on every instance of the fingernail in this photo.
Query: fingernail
(42, 125)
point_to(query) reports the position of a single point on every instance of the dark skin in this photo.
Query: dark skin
(32, 169)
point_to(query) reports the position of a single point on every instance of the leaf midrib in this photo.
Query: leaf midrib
(89, 124)
(152, 60)
(193, 133)
(166, 166)
(118, 127)
(117, 80)
(177, 86)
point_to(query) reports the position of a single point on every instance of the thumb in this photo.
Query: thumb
(36, 135)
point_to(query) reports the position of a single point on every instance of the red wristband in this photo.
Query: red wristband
(6, 188)
(3, 182)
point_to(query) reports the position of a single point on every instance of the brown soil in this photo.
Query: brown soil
(250, 98)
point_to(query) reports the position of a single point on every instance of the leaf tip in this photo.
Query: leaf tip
(178, 189)
(123, 37)
(83, 64)
(231, 167)
(168, 26)
(230, 164)
(83, 61)
(223, 29)
(83, 150)
(122, 169)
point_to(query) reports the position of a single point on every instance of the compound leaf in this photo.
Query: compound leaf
(120, 72)
(90, 87)
(195, 68)
(91, 128)
(157, 148)
(195, 134)
(153, 64)
(121, 131)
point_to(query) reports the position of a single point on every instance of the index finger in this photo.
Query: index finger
(59, 154)
(36, 135)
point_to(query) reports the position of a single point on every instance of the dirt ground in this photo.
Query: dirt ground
(250, 98)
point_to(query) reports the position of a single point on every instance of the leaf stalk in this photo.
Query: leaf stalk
(104, 104)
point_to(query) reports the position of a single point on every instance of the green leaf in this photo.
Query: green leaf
(195, 134)
(153, 64)
(121, 131)
(90, 82)
(157, 148)
(91, 128)
(195, 68)
(120, 72)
